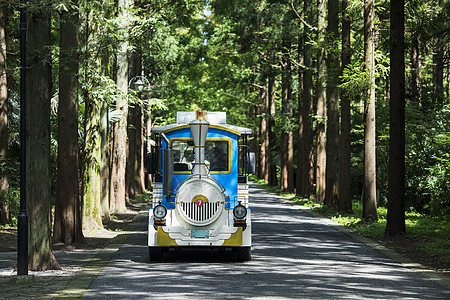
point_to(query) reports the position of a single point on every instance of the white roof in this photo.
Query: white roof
(216, 119)
(213, 117)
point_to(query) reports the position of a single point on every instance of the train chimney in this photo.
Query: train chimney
(199, 129)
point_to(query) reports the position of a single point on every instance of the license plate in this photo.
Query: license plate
(199, 233)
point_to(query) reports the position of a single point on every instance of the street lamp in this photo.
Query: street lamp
(138, 83)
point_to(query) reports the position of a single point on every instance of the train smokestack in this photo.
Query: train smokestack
(199, 129)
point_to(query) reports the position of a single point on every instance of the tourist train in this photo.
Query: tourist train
(200, 167)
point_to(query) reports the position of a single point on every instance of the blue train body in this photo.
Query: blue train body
(200, 189)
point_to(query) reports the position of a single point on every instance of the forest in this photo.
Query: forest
(348, 100)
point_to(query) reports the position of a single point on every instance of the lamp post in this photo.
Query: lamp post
(22, 222)
(138, 83)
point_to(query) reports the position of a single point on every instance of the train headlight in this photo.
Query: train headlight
(240, 212)
(160, 211)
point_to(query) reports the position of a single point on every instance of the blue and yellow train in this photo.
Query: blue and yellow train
(200, 169)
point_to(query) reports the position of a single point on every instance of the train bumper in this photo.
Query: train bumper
(222, 233)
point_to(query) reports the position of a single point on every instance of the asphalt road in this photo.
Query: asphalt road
(294, 256)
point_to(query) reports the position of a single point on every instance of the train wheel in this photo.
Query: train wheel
(155, 253)
(244, 253)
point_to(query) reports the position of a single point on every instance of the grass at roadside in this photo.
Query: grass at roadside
(427, 238)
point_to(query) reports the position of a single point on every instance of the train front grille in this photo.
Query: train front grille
(200, 214)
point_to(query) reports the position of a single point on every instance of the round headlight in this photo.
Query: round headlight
(160, 211)
(240, 212)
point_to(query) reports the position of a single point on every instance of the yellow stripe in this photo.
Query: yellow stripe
(163, 238)
(226, 129)
(235, 239)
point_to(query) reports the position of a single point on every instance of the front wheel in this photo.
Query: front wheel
(244, 253)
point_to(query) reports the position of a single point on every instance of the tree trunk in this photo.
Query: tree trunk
(67, 227)
(306, 176)
(91, 180)
(132, 151)
(40, 254)
(263, 136)
(135, 171)
(119, 155)
(415, 70)
(396, 187)
(105, 163)
(438, 68)
(321, 110)
(105, 177)
(332, 129)
(287, 156)
(271, 165)
(4, 185)
(345, 180)
(300, 140)
(370, 184)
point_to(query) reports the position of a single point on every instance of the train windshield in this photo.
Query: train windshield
(217, 155)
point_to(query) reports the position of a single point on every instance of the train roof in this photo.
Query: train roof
(215, 119)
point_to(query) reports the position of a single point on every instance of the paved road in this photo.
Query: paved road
(295, 256)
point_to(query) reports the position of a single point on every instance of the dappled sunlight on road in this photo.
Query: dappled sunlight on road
(294, 256)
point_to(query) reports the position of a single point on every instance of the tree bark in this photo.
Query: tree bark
(105, 163)
(287, 154)
(345, 180)
(370, 187)
(105, 177)
(118, 197)
(305, 178)
(262, 170)
(438, 68)
(39, 79)
(135, 170)
(332, 128)
(396, 186)
(415, 70)
(271, 165)
(67, 226)
(321, 108)
(91, 162)
(132, 149)
(4, 185)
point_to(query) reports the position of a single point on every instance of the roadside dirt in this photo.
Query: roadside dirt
(95, 239)
(410, 248)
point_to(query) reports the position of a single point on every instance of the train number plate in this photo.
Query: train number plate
(199, 233)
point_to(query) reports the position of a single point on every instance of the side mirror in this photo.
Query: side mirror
(250, 163)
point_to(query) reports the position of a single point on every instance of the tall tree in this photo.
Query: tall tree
(40, 254)
(105, 177)
(396, 187)
(345, 193)
(332, 130)
(287, 143)
(135, 177)
(4, 185)
(263, 134)
(91, 161)
(305, 162)
(321, 104)
(67, 226)
(271, 165)
(119, 150)
(370, 188)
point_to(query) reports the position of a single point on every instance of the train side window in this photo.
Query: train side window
(183, 152)
(217, 154)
